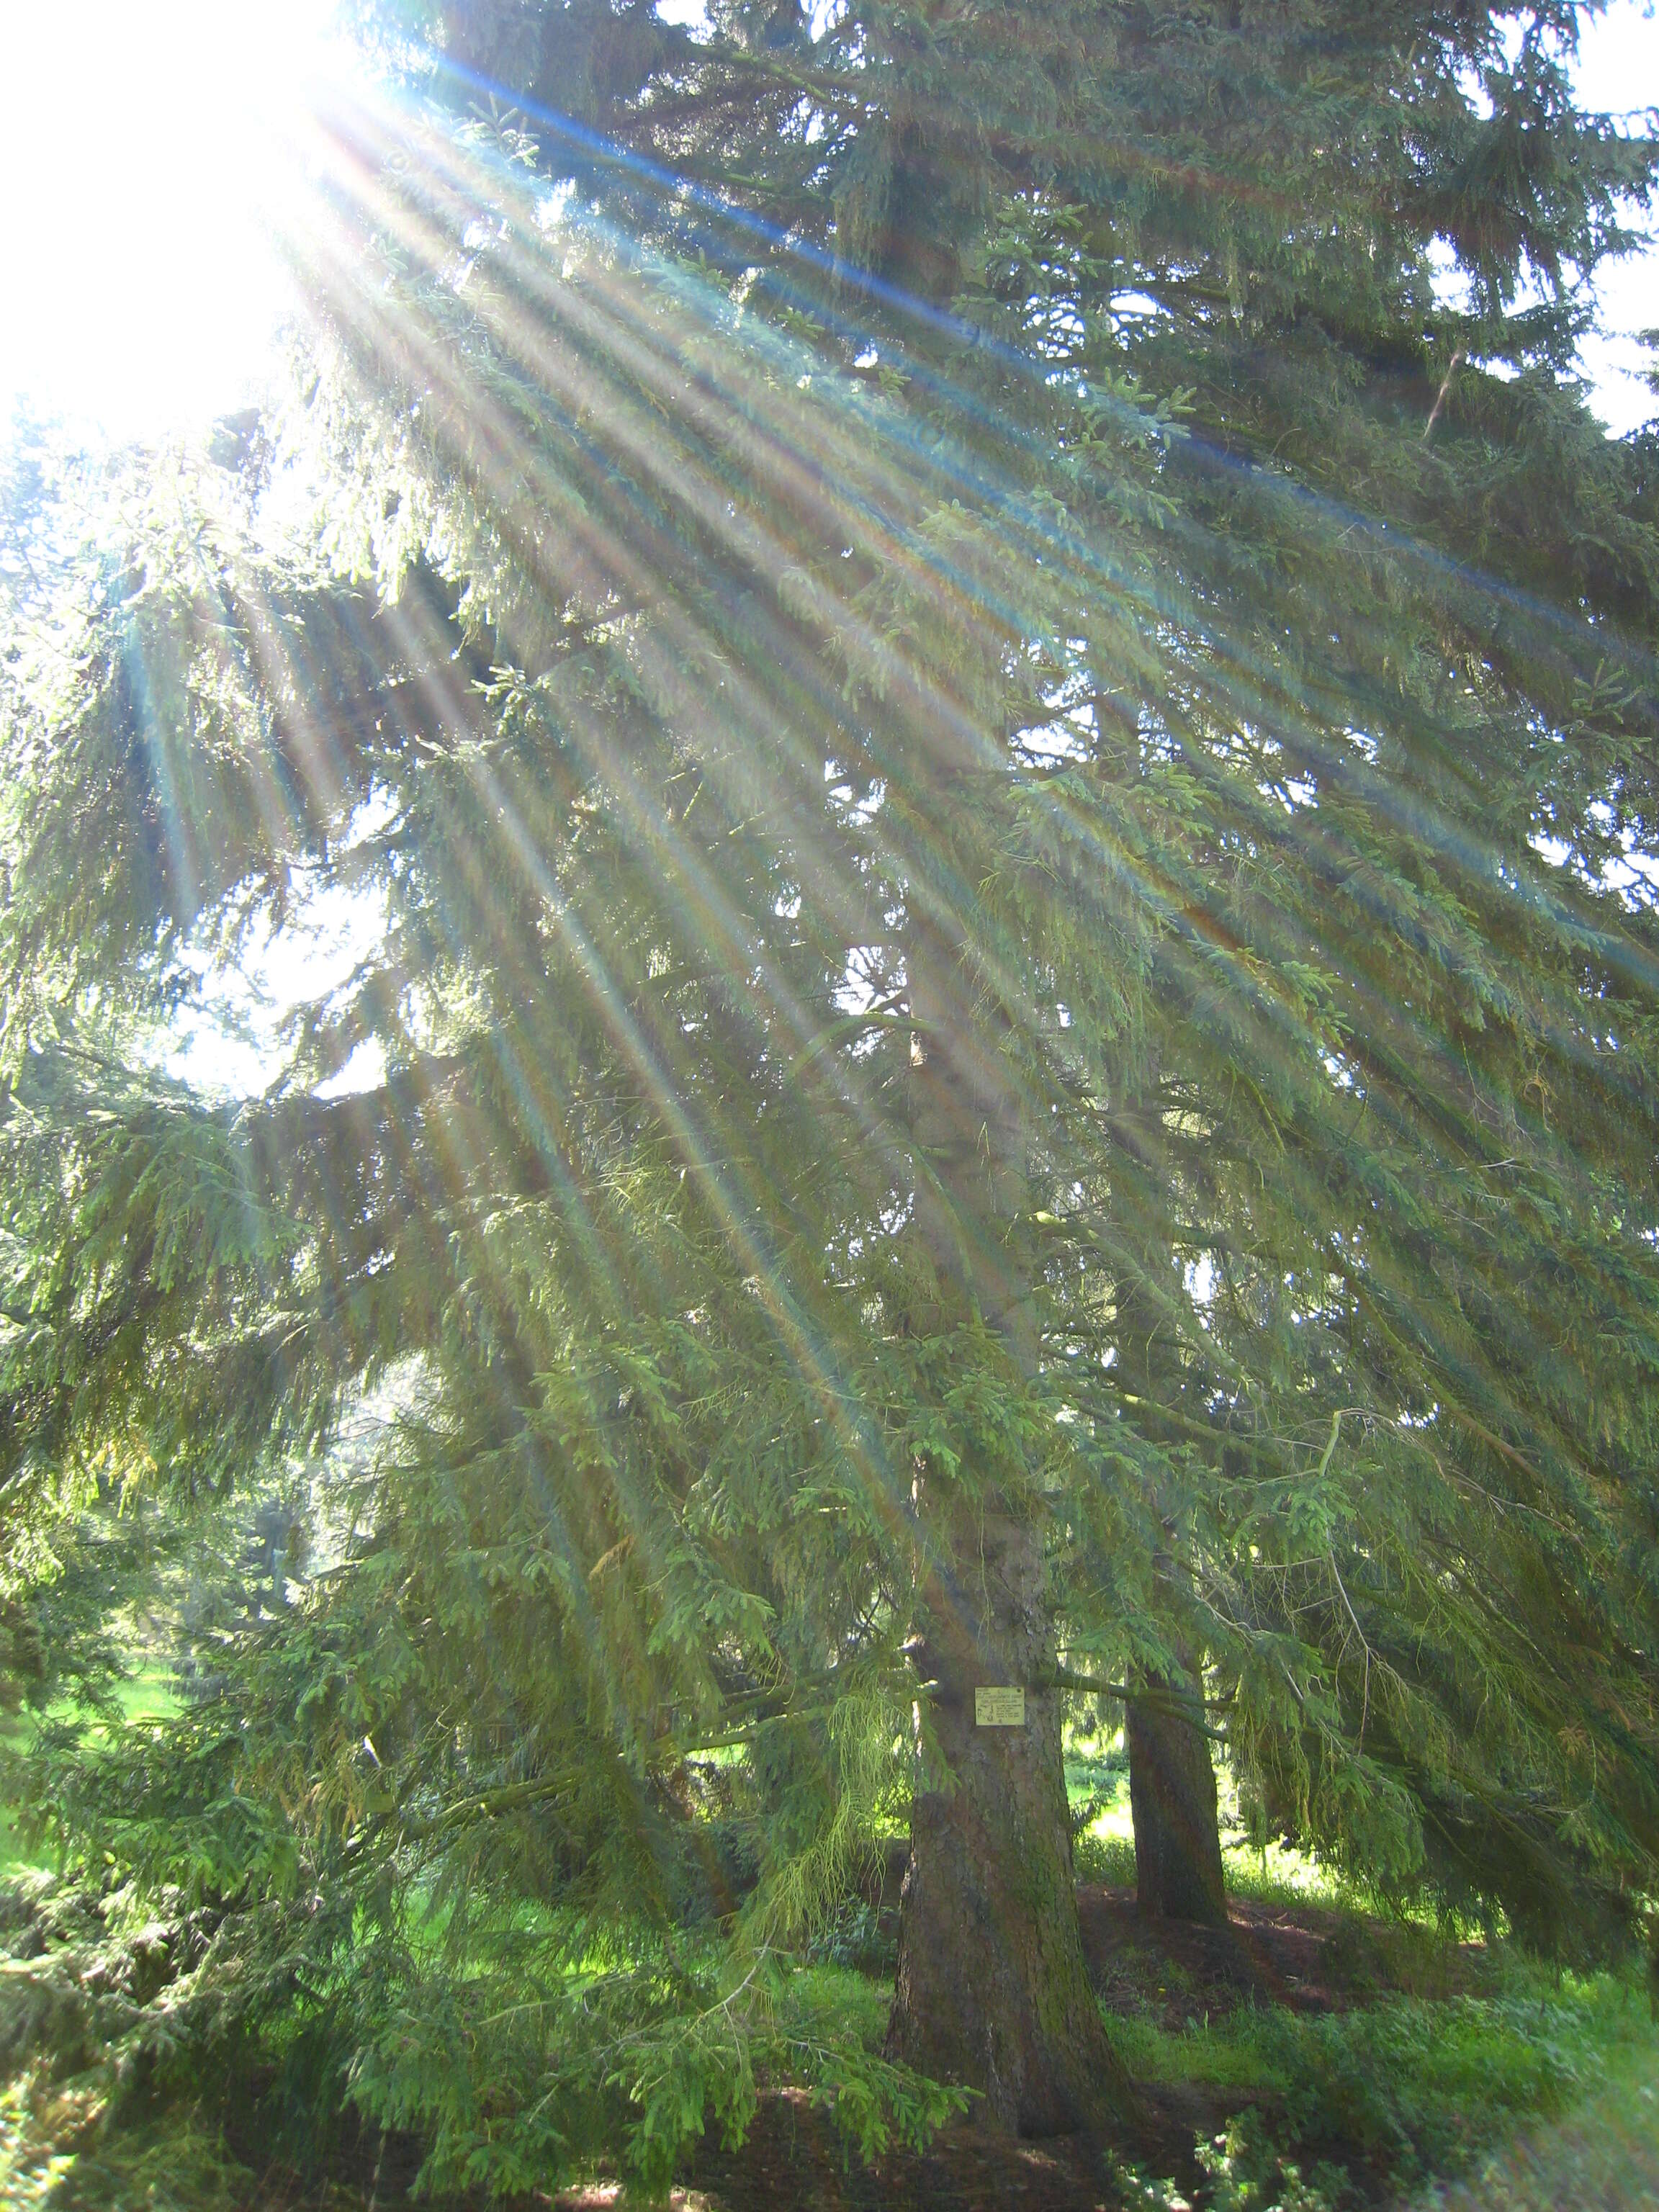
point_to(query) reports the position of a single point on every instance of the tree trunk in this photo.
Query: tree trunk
(1178, 1875)
(992, 1988)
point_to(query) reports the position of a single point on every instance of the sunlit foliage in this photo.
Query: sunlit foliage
(991, 787)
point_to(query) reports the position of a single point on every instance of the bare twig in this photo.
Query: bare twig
(1455, 364)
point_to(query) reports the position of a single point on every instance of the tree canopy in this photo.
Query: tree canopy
(976, 705)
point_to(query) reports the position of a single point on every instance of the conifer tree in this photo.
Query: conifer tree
(998, 783)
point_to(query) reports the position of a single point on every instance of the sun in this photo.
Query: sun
(146, 150)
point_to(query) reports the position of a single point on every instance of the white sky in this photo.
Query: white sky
(1618, 73)
(142, 143)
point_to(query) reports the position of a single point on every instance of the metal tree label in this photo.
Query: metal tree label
(999, 1708)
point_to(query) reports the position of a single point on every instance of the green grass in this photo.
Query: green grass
(16, 1855)
(1409, 2086)
(149, 1693)
(1601, 2155)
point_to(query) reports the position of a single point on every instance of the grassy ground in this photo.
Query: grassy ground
(1406, 2086)
(1321, 2059)
(1601, 2154)
(149, 1692)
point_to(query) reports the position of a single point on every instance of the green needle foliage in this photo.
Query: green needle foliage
(940, 726)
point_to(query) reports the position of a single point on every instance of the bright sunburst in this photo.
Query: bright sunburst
(145, 152)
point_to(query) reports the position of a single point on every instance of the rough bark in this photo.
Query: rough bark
(992, 1989)
(1172, 1797)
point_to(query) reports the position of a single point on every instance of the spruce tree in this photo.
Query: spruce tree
(1005, 1038)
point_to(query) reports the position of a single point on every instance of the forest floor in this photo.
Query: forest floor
(1347, 2062)
(1382, 2053)
(1395, 2068)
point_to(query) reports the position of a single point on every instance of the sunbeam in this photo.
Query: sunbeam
(887, 820)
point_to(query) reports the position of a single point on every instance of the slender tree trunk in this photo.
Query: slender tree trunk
(992, 1989)
(1172, 1794)
(1172, 1797)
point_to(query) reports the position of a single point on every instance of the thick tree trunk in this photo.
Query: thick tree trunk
(1172, 1797)
(993, 1989)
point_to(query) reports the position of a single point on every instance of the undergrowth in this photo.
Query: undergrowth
(1453, 2058)
(1405, 2087)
